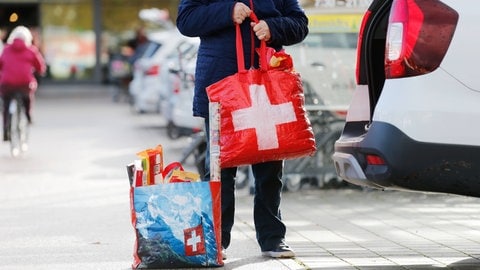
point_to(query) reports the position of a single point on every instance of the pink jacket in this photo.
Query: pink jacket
(18, 64)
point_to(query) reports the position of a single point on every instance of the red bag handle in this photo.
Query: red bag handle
(240, 53)
(170, 167)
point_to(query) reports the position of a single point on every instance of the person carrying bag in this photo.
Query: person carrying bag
(281, 22)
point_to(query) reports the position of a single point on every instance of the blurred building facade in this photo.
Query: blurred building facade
(77, 36)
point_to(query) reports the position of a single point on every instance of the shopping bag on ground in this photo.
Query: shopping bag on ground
(176, 222)
(261, 113)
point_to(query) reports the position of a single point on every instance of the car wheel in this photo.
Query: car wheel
(293, 182)
(242, 179)
(173, 131)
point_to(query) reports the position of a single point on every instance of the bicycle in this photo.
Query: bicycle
(317, 170)
(17, 125)
(198, 149)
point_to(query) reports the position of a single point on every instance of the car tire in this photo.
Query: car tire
(293, 182)
(173, 132)
(242, 179)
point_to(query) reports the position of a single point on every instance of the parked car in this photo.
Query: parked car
(178, 101)
(178, 70)
(412, 121)
(144, 87)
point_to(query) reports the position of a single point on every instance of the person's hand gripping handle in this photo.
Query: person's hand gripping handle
(240, 12)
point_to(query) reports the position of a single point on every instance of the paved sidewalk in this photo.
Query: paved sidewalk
(65, 205)
(354, 229)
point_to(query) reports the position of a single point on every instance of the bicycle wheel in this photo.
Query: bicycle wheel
(328, 176)
(18, 124)
(199, 155)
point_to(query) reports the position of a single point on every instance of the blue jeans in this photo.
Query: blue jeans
(270, 230)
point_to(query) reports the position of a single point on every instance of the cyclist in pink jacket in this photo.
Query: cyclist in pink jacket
(19, 61)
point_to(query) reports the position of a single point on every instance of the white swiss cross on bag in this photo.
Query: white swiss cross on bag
(263, 117)
(194, 241)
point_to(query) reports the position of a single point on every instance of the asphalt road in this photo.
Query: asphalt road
(65, 204)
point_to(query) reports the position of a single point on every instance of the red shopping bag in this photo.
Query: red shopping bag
(261, 114)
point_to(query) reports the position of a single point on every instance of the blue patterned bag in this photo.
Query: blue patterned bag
(177, 225)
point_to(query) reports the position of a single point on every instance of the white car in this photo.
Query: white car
(182, 122)
(144, 87)
(177, 65)
(412, 122)
(177, 97)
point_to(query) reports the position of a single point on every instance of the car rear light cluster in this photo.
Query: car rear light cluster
(153, 70)
(177, 84)
(374, 160)
(418, 36)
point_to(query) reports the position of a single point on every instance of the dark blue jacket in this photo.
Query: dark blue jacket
(211, 20)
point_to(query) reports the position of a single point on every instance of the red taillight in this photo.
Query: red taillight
(176, 85)
(375, 160)
(153, 70)
(359, 44)
(419, 33)
(196, 130)
(341, 113)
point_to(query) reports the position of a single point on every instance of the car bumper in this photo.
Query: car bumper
(409, 164)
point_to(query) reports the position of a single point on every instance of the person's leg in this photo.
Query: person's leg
(228, 204)
(28, 101)
(267, 215)
(6, 103)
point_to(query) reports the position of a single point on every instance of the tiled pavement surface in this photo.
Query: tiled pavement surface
(354, 229)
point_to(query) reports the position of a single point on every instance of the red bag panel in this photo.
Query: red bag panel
(262, 117)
